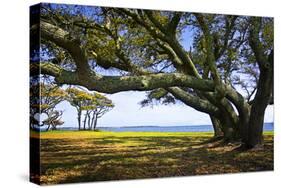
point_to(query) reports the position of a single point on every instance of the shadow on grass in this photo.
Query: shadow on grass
(117, 158)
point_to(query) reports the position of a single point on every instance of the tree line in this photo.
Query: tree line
(90, 106)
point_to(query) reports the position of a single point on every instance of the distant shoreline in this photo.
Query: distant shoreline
(136, 126)
(155, 128)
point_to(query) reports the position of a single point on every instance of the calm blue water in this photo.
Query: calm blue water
(191, 128)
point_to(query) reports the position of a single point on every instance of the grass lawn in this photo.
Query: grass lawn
(82, 156)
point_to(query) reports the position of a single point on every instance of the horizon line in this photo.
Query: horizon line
(101, 126)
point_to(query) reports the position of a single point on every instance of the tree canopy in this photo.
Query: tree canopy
(146, 51)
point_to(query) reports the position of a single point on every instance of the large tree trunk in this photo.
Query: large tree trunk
(264, 87)
(259, 105)
(229, 132)
(218, 133)
(228, 123)
(243, 109)
(243, 126)
(255, 136)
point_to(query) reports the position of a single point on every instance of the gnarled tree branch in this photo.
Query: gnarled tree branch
(114, 84)
(194, 102)
(63, 39)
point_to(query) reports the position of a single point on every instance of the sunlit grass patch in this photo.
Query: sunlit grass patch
(74, 156)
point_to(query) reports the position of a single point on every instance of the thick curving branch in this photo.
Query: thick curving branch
(194, 101)
(172, 26)
(114, 84)
(63, 39)
(168, 40)
(256, 45)
(264, 87)
(210, 58)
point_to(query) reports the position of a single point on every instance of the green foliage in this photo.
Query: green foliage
(95, 105)
(158, 96)
(78, 98)
(268, 33)
(86, 100)
(49, 96)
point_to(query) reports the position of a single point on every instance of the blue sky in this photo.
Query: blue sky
(127, 112)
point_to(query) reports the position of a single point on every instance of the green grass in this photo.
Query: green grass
(82, 156)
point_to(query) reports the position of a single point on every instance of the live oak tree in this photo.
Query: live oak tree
(230, 54)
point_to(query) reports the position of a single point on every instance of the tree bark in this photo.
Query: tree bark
(79, 120)
(264, 87)
(114, 84)
(259, 105)
(48, 128)
(54, 127)
(193, 101)
(217, 127)
(95, 122)
(89, 120)
(93, 119)
(85, 120)
(229, 131)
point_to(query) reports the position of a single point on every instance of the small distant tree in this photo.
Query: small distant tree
(92, 106)
(48, 97)
(78, 99)
(53, 120)
(103, 105)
